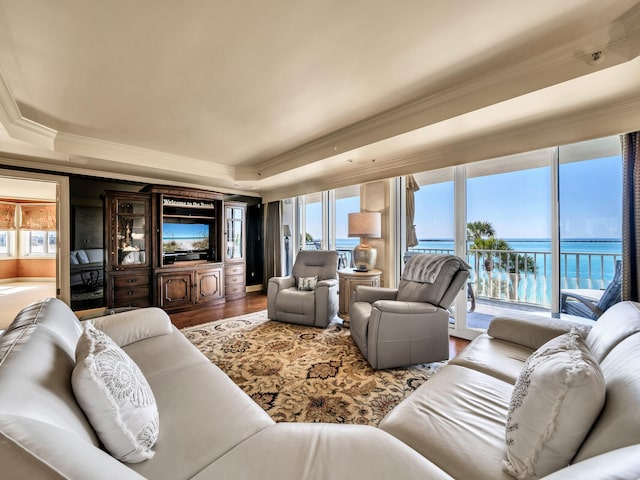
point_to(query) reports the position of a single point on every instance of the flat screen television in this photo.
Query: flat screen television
(185, 238)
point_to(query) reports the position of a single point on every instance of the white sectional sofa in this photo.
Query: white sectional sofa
(451, 427)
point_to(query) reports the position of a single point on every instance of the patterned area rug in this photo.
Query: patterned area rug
(305, 374)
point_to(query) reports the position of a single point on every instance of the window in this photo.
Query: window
(39, 242)
(5, 243)
(512, 225)
(347, 201)
(590, 190)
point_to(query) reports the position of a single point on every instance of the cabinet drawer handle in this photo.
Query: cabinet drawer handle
(130, 292)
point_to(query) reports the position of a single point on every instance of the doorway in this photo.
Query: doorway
(29, 272)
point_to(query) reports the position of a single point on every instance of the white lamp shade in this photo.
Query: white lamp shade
(286, 230)
(365, 224)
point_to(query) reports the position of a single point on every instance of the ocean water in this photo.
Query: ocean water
(584, 263)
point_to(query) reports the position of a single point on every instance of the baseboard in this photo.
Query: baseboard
(253, 288)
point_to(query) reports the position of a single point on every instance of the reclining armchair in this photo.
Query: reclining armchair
(310, 295)
(408, 325)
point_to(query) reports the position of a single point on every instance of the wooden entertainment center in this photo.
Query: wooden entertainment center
(174, 248)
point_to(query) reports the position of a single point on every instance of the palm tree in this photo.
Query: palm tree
(481, 234)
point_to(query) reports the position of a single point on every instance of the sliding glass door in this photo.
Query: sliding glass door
(533, 225)
(590, 192)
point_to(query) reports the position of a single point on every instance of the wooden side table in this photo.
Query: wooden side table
(348, 280)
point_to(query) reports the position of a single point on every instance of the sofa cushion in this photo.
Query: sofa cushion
(82, 257)
(322, 451)
(556, 399)
(194, 396)
(495, 357)
(115, 396)
(456, 420)
(618, 424)
(73, 258)
(616, 324)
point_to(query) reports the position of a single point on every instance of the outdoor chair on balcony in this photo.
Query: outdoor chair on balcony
(408, 325)
(309, 296)
(593, 303)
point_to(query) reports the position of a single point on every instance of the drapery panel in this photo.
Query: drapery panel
(272, 242)
(38, 217)
(630, 216)
(7, 216)
(411, 187)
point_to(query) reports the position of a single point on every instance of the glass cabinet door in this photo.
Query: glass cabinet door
(235, 232)
(131, 233)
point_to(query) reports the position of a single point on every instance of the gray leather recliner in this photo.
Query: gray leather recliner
(408, 325)
(315, 302)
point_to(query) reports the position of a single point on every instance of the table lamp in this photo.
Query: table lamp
(364, 225)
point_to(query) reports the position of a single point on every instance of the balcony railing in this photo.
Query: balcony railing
(525, 277)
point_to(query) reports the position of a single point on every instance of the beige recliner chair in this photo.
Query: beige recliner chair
(408, 325)
(310, 295)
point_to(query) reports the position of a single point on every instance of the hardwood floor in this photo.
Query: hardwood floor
(254, 302)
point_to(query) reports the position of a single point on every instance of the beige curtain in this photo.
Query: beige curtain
(38, 217)
(630, 216)
(411, 187)
(272, 242)
(7, 216)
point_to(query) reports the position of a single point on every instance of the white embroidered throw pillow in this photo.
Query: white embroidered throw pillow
(115, 396)
(556, 399)
(307, 283)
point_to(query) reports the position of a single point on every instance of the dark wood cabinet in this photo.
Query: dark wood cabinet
(174, 247)
(235, 278)
(128, 246)
(180, 287)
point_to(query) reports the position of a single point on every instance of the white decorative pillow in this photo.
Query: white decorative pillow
(82, 257)
(73, 258)
(115, 397)
(556, 399)
(307, 283)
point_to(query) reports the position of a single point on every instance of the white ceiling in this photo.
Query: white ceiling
(285, 97)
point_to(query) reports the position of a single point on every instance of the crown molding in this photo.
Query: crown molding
(118, 152)
(19, 127)
(581, 125)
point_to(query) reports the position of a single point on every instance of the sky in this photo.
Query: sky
(517, 204)
(184, 230)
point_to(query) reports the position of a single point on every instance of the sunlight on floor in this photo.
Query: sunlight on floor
(14, 296)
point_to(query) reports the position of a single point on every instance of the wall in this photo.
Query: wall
(37, 267)
(375, 197)
(27, 267)
(8, 268)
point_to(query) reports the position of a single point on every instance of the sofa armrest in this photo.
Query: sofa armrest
(280, 283)
(530, 330)
(134, 325)
(329, 282)
(620, 463)
(392, 306)
(364, 293)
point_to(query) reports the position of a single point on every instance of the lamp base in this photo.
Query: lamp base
(364, 257)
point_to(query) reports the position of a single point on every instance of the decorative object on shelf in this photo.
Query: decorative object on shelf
(364, 225)
(286, 230)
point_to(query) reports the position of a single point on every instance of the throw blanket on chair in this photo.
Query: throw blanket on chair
(425, 268)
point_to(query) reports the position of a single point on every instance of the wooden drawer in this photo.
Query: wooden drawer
(234, 280)
(121, 294)
(234, 270)
(133, 302)
(234, 291)
(130, 281)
